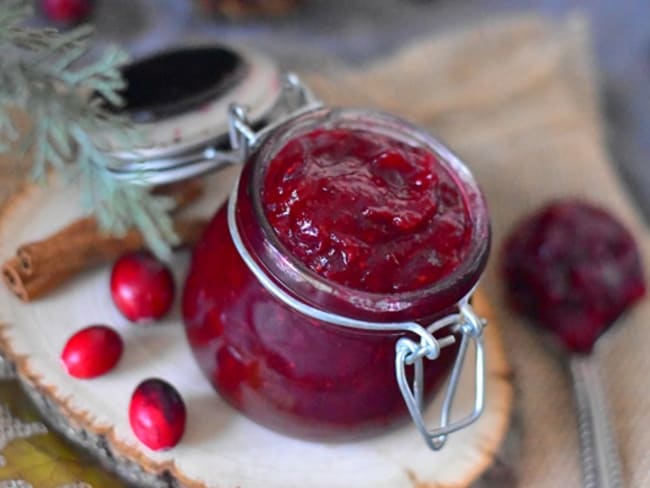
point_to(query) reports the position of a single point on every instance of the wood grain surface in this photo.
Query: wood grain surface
(219, 445)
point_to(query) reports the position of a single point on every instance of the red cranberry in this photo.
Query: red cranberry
(574, 268)
(67, 12)
(92, 352)
(157, 414)
(142, 287)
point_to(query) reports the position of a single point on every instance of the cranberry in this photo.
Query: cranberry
(366, 210)
(157, 414)
(574, 268)
(142, 287)
(67, 12)
(92, 352)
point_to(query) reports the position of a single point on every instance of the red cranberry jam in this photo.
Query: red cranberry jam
(352, 213)
(367, 211)
(574, 269)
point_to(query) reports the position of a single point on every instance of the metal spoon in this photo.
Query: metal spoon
(600, 458)
(574, 269)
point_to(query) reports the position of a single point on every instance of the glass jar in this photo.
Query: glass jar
(311, 357)
(291, 348)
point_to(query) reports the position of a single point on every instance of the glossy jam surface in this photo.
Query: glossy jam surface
(574, 269)
(366, 210)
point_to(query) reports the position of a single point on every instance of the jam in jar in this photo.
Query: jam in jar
(349, 230)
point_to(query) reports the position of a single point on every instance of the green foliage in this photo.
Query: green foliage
(42, 72)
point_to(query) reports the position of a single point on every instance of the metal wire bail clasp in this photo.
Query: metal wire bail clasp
(410, 353)
(296, 98)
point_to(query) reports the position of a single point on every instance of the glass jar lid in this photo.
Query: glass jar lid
(178, 101)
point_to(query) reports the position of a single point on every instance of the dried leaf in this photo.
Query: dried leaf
(46, 460)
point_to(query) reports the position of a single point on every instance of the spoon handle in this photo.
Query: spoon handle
(600, 461)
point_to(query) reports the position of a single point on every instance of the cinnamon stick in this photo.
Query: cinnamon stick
(55, 260)
(41, 257)
(11, 275)
(26, 287)
(35, 287)
(42, 266)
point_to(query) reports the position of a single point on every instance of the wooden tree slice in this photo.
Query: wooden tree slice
(220, 447)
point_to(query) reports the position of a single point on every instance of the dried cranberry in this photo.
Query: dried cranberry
(157, 414)
(92, 352)
(142, 287)
(574, 269)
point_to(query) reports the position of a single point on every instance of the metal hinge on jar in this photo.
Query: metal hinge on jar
(410, 353)
(296, 98)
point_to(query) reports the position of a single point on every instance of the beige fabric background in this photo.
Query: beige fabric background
(517, 99)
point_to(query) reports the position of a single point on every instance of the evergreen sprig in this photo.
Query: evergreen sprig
(43, 74)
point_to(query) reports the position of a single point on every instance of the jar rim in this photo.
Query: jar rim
(453, 286)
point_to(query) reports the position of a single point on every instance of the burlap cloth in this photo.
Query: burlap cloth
(517, 99)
